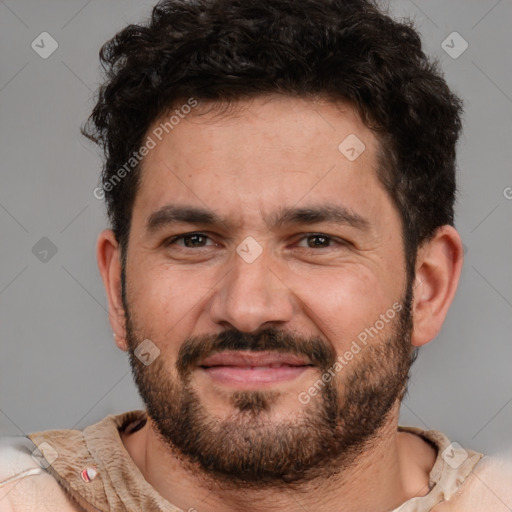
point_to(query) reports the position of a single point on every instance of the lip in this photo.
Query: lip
(252, 359)
(253, 369)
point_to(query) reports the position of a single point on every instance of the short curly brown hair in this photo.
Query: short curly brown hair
(227, 50)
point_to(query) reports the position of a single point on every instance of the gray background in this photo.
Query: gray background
(59, 366)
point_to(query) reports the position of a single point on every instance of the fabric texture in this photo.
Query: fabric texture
(91, 470)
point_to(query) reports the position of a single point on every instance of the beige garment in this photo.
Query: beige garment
(96, 473)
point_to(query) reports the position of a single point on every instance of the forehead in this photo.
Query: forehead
(247, 158)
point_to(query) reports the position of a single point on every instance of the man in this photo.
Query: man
(280, 179)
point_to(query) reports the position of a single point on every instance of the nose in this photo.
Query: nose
(252, 295)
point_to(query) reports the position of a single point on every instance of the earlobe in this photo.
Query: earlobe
(438, 268)
(109, 264)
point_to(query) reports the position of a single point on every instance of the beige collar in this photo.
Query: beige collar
(117, 483)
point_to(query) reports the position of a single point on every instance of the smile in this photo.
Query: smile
(250, 369)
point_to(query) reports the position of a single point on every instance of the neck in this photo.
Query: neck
(392, 470)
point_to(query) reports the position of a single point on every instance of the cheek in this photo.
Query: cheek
(345, 303)
(164, 301)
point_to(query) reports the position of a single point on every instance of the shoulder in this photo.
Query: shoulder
(18, 459)
(488, 487)
(25, 485)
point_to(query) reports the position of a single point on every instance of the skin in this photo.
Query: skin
(275, 152)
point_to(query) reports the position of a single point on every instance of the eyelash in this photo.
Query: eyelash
(174, 239)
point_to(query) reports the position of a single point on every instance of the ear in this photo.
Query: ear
(108, 254)
(438, 267)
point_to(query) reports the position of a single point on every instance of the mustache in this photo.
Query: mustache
(197, 348)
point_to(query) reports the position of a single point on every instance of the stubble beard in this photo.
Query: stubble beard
(249, 447)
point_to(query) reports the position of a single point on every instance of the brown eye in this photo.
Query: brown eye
(190, 240)
(317, 241)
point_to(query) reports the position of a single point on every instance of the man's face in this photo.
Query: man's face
(284, 333)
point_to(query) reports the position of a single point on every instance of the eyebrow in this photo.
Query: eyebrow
(328, 213)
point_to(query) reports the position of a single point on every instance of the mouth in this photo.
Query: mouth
(253, 369)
